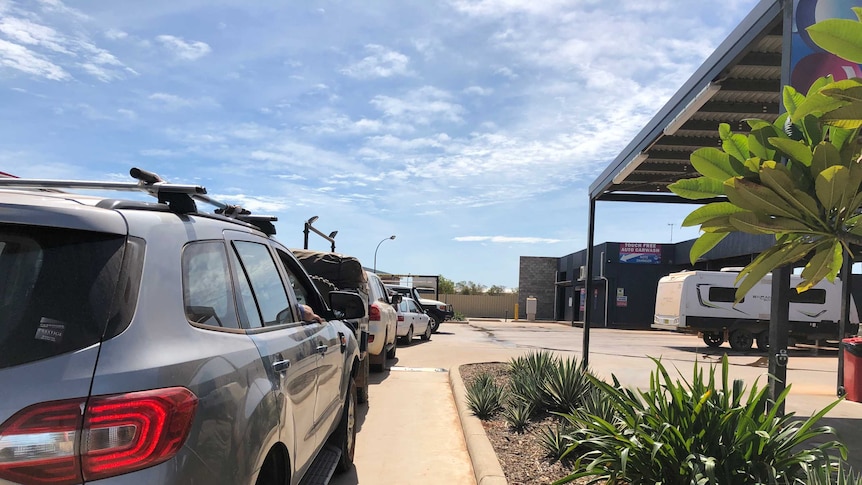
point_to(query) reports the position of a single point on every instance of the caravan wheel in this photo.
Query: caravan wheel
(763, 340)
(713, 339)
(741, 339)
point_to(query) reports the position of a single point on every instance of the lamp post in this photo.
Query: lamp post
(308, 227)
(378, 247)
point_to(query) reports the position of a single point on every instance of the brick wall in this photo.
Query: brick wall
(536, 278)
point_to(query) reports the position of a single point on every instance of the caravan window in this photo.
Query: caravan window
(816, 296)
(723, 294)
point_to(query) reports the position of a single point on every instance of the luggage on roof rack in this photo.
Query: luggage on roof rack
(345, 272)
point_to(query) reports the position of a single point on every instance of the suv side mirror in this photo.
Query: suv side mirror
(348, 304)
(395, 299)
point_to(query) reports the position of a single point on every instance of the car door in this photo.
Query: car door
(416, 315)
(329, 338)
(287, 347)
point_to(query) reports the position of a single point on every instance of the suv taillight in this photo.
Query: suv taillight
(373, 313)
(52, 443)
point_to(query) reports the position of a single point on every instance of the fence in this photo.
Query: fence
(483, 306)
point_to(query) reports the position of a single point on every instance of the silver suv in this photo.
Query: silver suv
(149, 342)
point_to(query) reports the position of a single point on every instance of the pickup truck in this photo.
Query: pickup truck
(437, 310)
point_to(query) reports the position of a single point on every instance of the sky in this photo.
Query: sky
(469, 129)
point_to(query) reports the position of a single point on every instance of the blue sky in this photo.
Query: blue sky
(470, 129)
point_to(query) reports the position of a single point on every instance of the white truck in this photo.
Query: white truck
(702, 302)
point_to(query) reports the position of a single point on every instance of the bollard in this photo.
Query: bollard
(516, 313)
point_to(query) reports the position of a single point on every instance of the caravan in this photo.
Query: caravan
(702, 302)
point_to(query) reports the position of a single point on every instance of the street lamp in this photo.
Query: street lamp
(308, 227)
(378, 247)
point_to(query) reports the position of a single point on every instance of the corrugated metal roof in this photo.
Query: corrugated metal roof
(740, 80)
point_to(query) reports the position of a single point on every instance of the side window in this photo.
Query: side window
(723, 294)
(207, 289)
(304, 295)
(413, 308)
(265, 282)
(249, 316)
(814, 295)
(379, 292)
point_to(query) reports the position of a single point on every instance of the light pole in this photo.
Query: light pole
(308, 227)
(671, 231)
(378, 247)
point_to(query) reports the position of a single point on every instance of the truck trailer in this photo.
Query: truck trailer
(702, 302)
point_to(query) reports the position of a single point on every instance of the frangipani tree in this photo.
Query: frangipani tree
(797, 178)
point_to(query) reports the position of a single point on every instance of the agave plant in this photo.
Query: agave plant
(556, 439)
(798, 178)
(484, 396)
(517, 414)
(566, 384)
(702, 432)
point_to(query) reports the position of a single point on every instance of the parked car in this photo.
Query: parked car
(437, 310)
(382, 323)
(412, 320)
(155, 343)
(331, 272)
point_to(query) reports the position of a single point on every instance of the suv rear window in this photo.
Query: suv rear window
(56, 290)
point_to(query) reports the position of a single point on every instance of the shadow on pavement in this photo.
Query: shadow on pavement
(800, 351)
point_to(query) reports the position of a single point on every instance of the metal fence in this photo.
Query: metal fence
(483, 306)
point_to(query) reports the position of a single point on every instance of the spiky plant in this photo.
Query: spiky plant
(565, 385)
(484, 396)
(517, 414)
(556, 439)
(706, 432)
(831, 475)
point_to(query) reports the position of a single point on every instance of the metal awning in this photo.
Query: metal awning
(740, 80)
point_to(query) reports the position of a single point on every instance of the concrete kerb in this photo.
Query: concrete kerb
(486, 466)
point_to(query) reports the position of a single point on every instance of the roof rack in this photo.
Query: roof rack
(178, 197)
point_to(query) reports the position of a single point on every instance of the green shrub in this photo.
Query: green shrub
(484, 396)
(517, 413)
(696, 433)
(556, 439)
(831, 475)
(566, 385)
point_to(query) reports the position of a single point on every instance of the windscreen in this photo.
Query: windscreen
(56, 290)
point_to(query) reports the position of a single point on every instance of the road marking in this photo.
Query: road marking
(419, 369)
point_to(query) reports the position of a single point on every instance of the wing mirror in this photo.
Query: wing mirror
(395, 299)
(349, 305)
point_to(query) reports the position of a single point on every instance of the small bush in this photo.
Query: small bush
(831, 475)
(697, 432)
(556, 439)
(566, 385)
(517, 414)
(484, 396)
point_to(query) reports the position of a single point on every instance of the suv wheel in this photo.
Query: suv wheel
(345, 435)
(390, 354)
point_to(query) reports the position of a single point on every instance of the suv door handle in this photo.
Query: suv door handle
(321, 349)
(281, 365)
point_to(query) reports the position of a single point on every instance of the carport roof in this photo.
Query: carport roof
(740, 80)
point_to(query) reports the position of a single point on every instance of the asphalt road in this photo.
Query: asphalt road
(409, 432)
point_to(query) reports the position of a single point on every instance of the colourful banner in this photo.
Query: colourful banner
(808, 61)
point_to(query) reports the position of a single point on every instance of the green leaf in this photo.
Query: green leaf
(710, 211)
(724, 131)
(825, 156)
(737, 147)
(756, 123)
(831, 184)
(758, 198)
(825, 263)
(713, 163)
(778, 255)
(849, 116)
(777, 177)
(812, 129)
(838, 136)
(796, 150)
(816, 104)
(697, 188)
(704, 243)
(750, 223)
(818, 84)
(753, 164)
(792, 99)
(717, 224)
(841, 37)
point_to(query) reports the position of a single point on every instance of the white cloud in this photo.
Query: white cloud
(507, 239)
(381, 62)
(479, 91)
(20, 58)
(115, 34)
(187, 51)
(421, 106)
(172, 102)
